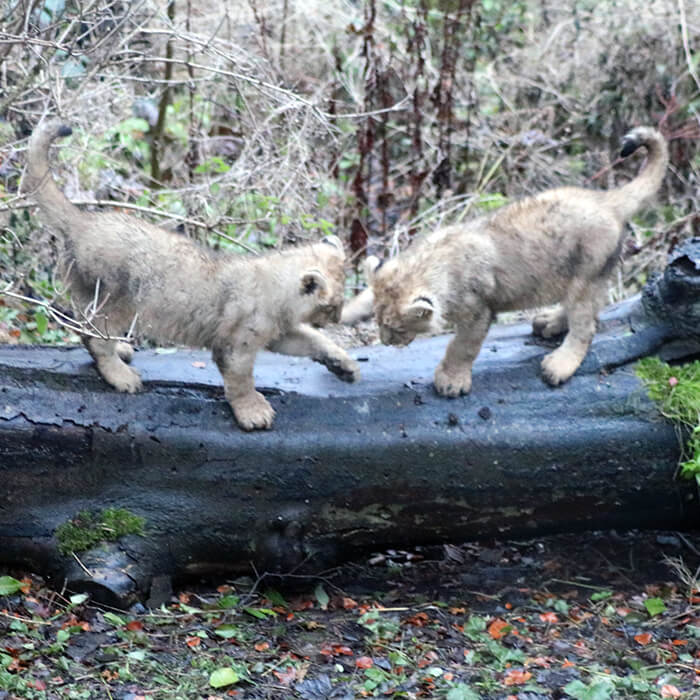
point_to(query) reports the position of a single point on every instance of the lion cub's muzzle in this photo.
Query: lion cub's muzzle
(325, 315)
(391, 337)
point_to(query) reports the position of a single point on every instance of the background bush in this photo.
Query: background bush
(247, 125)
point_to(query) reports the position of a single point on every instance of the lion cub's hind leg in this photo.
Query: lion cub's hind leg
(551, 322)
(581, 308)
(109, 356)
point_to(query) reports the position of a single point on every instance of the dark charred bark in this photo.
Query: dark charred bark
(347, 468)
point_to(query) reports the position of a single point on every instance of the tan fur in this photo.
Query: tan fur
(184, 293)
(559, 246)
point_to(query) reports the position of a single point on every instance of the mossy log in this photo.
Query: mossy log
(347, 468)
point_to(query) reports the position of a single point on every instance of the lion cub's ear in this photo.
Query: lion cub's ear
(420, 307)
(371, 264)
(313, 281)
(335, 242)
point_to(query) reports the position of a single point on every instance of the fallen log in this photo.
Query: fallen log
(347, 468)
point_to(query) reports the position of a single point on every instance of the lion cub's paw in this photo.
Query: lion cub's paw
(123, 378)
(557, 367)
(253, 412)
(343, 366)
(452, 383)
(550, 323)
(125, 351)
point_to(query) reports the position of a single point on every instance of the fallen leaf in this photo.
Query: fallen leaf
(193, 642)
(499, 628)
(287, 676)
(517, 677)
(549, 617)
(429, 658)
(342, 649)
(262, 646)
(349, 603)
(134, 625)
(223, 677)
(418, 620)
(364, 662)
(642, 638)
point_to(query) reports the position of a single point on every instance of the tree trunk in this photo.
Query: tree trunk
(347, 468)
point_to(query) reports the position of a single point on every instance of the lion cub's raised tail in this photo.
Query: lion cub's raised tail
(55, 206)
(627, 200)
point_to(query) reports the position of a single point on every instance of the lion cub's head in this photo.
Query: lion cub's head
(322, 284)
(402, 309)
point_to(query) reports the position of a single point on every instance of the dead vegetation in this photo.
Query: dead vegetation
(253, 124)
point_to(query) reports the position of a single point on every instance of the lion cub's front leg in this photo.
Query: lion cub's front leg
(453, 375)
(250, 408)
(110, 357)
(304, 341)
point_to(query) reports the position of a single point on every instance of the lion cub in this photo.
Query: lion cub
(120, 269)
(558, 246)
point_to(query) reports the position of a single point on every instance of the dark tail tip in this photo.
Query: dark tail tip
(630, 144)
(64, 130)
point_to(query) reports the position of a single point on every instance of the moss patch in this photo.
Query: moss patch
(677, 391)
(87, 529)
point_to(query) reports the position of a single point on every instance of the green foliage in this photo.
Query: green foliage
(677, 391)
(9, 585)
(88, 529)
(223, 677)
(597, 690)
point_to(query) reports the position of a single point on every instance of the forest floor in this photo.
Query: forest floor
(589, 617)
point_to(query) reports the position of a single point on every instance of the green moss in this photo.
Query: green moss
(677, 391)
(87, 529)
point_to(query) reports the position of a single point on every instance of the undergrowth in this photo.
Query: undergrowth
(677, 391)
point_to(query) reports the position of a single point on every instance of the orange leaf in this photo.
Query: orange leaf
(419, 619)
(457, 611)
(429, 658)
(341, 649)
(567, 664)
(549, 617)
(349, 603)
(670, 691)
(134, 625)
(642, 638)
(262, 646)
(516, 677)
(364, 662)
(499, 628)
(679, 642)
(193, 642)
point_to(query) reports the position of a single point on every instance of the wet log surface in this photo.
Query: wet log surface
(347, 468)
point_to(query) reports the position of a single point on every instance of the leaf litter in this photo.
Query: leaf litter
(591, 617)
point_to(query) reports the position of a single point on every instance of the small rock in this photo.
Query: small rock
(485, 412)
